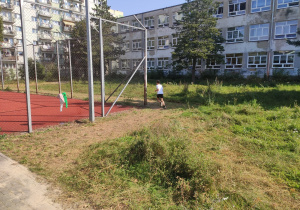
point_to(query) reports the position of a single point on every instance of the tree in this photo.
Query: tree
(40, 69)
(198, 36)
(295, 43)
(112, 42)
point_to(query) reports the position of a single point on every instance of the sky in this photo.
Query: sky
(131, 7)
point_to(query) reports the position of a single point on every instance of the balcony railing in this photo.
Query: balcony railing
(68, 18)
(9, 58)
(7, 45)
(76, 9)
(67, 29)
(47, 48)
(8, 32)
(45, 25)
(79, 1)
(44, 2)
(45, 36)
(65, 6)
(9, 6)
(44, 13)
(8, 19)
(46, 59)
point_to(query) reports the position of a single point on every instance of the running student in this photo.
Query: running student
(160, 94)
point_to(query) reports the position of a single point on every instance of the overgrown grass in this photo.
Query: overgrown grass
(229, 146)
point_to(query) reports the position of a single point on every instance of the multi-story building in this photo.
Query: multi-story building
(46, 21)
(255, 32)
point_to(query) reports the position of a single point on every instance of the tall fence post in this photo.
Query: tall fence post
(146, 68)
(90, 63)
(17, 73)
(70, 63)
(102, 68)
(35, 70)
(2, 73)
(58, 66)
(27, 88)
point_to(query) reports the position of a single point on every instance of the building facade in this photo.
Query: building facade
(46, 22)
(255, 32)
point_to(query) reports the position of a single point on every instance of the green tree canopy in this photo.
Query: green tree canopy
(295, 43)
(112, 42)
(198, 36)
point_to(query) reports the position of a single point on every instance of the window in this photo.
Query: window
(163, 42)
(257, 60)
(211, 64)
(162, 63)
(126, 46)
(287, 3)
(237, 7)
(20, 53)
(151, 44)
(136, 24)
(175, 40)
(150, 63)
(56, 12)
(34, 19)
(57, 23)
(34, 42)
(17, 16)
(124, 28)
(19, 41)
(34, 31)
(286, 29)
(136, 44)
(283, 59)
(55, 1)
(219, 12)
(136, 62)
(56, 34)
(17, 3)
(177, 17)
(235, 34)
(18, 28)
(260, 5)
(259, 32)
(149, 22)
(125, 64)
(234, 61)
(163, 20)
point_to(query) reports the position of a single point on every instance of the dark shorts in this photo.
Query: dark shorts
(160, 95)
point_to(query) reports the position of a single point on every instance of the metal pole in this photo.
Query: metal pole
(35, 71)
(70, 62)
(90, 63)
(102, 68)
(2, 73)
(17, 74)
(58, 67)
(27, 89)
(146, 67)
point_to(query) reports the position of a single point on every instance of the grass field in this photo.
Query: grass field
(217, 146)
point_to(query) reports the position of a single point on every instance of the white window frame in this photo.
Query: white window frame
(135, 63)
(259, 32)
(124, 28)
(150, 63)
(237, 7)
(163, 42)
(125, 64)
(177, 17)
(281, 28)
(232, 61)
(255, 7)
(220, 11)
(149, 22)
(210, 64)
(162, 63)
(135, 23)
(163, 20)
(126, 46)
(257, 60)
(287, 3)
(282, 56)
(136, 44)
(231, 35)
(175, 39)
(151, 43)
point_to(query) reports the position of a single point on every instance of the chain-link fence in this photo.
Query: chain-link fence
(56, 54)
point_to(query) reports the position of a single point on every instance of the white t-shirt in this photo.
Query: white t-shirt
(160, 89)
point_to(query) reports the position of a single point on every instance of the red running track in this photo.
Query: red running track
(44, 111)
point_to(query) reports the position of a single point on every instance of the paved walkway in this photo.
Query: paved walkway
(19, 189)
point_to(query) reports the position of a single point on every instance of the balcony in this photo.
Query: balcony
(67, 29)
(68, 18)
(8, 19)
(9, 58)
(45, 25)
(7, 45)
(47, 48)
(65, 6)
(45, 36)
(8, 6)
(44, 13)
(76, 9)
(43, 59)
(44, 2)
(7, 32)
(78, 1)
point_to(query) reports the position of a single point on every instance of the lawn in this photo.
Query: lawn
(217, 146)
